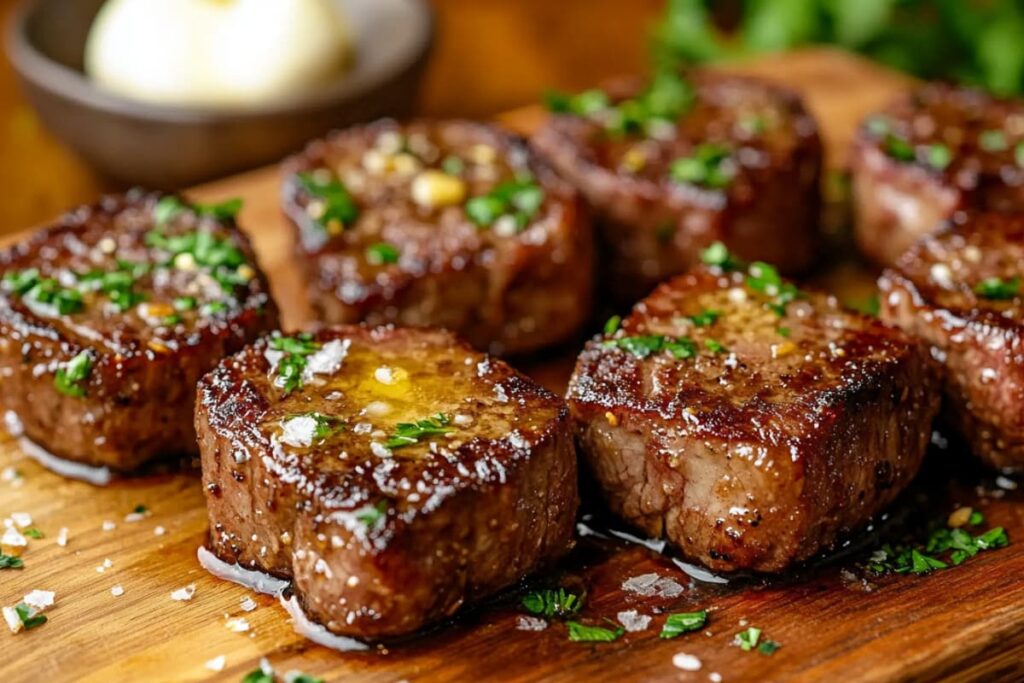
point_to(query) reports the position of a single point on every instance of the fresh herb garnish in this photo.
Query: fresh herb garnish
(140, 509)
(293, 363)
(10, 562)
(409, 433)
(339, 208)
(747, 640)
(21, 281)
(764, 278)
(717, 254)
(710, 165)
(898, 148)
(998, 289)
(258, 676)
(219, 255)
(945, 546)
(871, 305)
(784, 331)
(371, 515)
(582, 633)
(28, 616)
(381, 253)
(715, 346)
(453, 165)
(222, 211)
(325, 426)
(185, 303)
(305, 678)
(678, 624)
(47, 291)
(938, 156)
(705, 318)
(32, 532)
(70, 378)
(552, 603)
(581, 104)
(666, 98)
(993, 141)
(644, 346)
(612, 325)
(167, 208)
(520, 199)
(768, 647)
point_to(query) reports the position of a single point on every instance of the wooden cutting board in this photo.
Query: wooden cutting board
(965, 623)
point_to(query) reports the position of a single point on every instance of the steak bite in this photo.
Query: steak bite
(109, 318)
(749, 423)
(960, 292)
(685, 162)
(392, 474)
(932, 154)
(450, 224)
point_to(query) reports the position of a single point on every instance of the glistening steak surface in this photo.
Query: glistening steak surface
(931, 155)
(109, 318)
(397, 475)
(452, 224)
(748, 427)
(960, 292)
(686, 161)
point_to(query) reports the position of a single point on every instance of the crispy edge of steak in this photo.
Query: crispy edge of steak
(970, 341)
(522, 297)
(423, 566)
(754, 486)
(631, 213)
(139, 403)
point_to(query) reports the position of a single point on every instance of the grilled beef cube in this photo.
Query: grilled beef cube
(450, 224)
(747, 422)
(960, 292)
(392, 474)
(685, 162)
(109, 318)
(932, 155)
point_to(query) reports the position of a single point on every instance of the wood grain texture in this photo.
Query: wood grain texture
(963, 624)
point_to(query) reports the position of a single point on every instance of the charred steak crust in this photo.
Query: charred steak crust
(959, 291)
(451, 224)
(750, 439)
(103, 334)
(382, 538)
(737, 154)
(929, 156)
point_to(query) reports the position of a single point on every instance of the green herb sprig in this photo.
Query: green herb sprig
(70, 379)
(520, 199)
(997, 289)
(647, 345)
(552, 603)
(339, 207)
(678, 624)
(409, 433)
(581, 633)
(944, 547)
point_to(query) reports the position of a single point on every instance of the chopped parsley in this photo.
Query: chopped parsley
(184, 303)
(898, 148)
(118, 285)
(70, 379)
(764, 278)
(871, 305)
(222, 211)
(305, 678)
(381, 253)
(581, 633)
(717, 254)
(944, 547)
(10, 562)
(217, 254)
(678, 624)
(938, 156)
(613, 324)
(453, 165)
(784, 331)
(998, 289)
(581, 104)
(28, 616)
(409, 433)
(167, 208)
(371, 515)
(293, 363)
(258, 676)
(747, 640)
(32, 532)
(710, 165)
(520, 199)
(768, 647)
(46, 291)
(705, 318)
(715, 346)
(644, 346)
(993, 141)
(552, 603)
(339, 208)
(140, 509)
(877, 125)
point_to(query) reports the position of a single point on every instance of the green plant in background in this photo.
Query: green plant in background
(977, 42)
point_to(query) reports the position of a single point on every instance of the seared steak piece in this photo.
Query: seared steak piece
(932, 154)
(685, 162)
(110, 317)
(960, 292)
(392, 474)
(450, 224)
(749, 423)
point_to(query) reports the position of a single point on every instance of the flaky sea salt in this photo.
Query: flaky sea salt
(184, 594)
(633, 621)
(686, 662)
(525, 623)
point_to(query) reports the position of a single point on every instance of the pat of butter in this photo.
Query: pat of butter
(216, 52)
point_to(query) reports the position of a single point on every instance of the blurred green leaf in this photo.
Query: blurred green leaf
(773, 25)
(856, 22)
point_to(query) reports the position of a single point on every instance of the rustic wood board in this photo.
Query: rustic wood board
(964, 624)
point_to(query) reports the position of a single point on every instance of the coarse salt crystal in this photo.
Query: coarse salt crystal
(40, 600)
(686, 662)
(22, 519)
(159, 531)
(633, 621)
(248, 605)
(117, 591)
(12, 538)
(184, 594)
(237, 624)
(12, 619)
(62, 537)
(525, 623)
(217, 663)
(109, 525)
(107, 564)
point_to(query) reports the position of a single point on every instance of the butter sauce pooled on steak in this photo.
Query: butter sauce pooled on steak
(450, 224)
(960, 291)
(686, 161)
(392, 474)
(931, 155)
(748, 422)
(109, 318)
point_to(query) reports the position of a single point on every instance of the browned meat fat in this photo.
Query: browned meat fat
(747, 422)
(931, 155)
(110, 317)
(711, 158)
(451, 224)
(960, 292)
(393, 474)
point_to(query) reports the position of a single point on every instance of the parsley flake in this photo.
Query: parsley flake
(11, 562)
(372, 515)
(678, 624)
(70, 378)
(581, 633)
(710, 166)
(717, 254)
(644, 346)
(768, 647)
(28, 616)
(520, 199)
(293, 363)
(747, 640)
(32, 532)
(339, 208)
(705, 318)
(613, 324)
(998, 289)
(409, 433)
(552, 603)
(382, 253)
